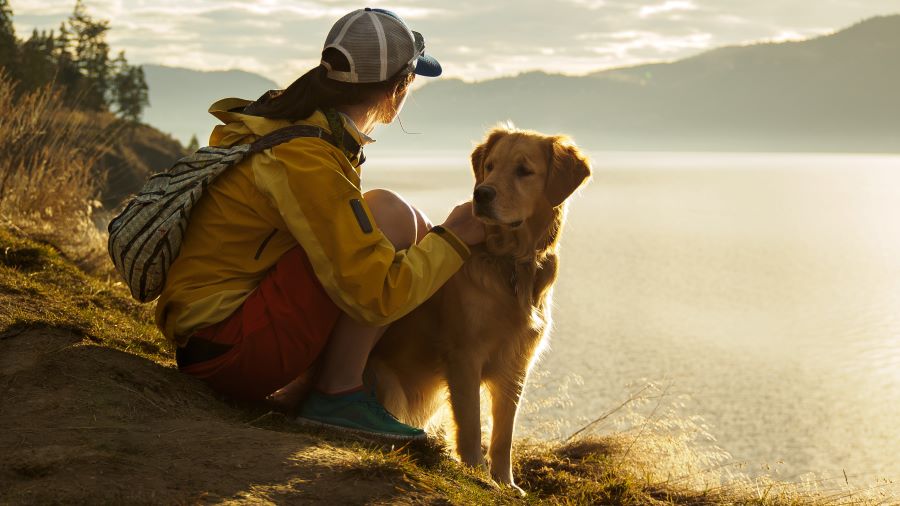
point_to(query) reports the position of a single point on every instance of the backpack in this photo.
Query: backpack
(145, 238)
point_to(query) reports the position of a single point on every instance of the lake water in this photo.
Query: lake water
(766, 287)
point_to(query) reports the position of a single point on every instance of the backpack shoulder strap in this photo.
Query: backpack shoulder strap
(285, 134)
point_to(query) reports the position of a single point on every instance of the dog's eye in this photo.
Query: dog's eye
(488, 167)
(523, 171)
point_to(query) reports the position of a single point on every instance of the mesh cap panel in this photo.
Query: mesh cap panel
(377, 45)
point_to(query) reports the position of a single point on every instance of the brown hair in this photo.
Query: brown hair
(314, 90)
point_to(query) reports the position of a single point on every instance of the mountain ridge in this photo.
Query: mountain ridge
(179, 97)
(833, 92)
(829, 93)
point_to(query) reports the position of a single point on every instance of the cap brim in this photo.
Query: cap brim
(428, 66)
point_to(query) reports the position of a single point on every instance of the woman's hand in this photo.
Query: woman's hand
(465, 225)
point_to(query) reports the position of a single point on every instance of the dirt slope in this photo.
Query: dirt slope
(92, 410)
(84, 423)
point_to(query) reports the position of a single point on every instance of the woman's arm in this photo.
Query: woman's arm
(356, 264)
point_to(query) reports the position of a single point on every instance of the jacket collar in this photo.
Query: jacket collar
(238, 125)
(361, 138)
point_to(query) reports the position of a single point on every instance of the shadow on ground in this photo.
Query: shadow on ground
(87, 424)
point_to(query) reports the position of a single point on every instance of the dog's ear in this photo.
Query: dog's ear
(569, 168)
(481, 151)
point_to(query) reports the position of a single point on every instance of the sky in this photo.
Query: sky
(473, 39)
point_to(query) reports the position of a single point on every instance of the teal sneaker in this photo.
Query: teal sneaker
(358, 412)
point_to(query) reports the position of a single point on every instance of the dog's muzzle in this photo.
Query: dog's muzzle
(484, 195)
(482, 198)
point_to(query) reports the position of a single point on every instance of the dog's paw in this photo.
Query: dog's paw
(475, 460)
(517, 489)
(504, 479)
(511, 485)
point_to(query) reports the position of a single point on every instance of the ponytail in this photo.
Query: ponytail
(314, 90)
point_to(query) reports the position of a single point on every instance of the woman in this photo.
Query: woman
(284, 255)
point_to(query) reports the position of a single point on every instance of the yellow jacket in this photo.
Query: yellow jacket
(297, 192)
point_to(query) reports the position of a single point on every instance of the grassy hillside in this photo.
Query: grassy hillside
(131, 153)
(94, 412)
(832, 93)
(136, 152)
(61, 167)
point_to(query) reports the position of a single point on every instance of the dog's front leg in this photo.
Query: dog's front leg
(506, 391)
(464, 382)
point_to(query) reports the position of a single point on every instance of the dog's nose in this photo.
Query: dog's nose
(484, 194)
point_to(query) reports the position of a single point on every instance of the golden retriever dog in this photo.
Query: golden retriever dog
(486, 325)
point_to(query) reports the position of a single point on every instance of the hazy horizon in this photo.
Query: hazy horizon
(280, 41)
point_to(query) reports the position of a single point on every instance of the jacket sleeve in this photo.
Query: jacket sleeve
(356, 264)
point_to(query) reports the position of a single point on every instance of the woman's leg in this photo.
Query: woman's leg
(351, 341)
(341, 365)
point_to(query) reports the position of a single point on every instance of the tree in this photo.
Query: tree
(129, 89)
(8, 43)
(194, 144)
(91, 56)
(37, 67)
(77, 61)
(67, 74)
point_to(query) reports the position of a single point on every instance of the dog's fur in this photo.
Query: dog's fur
(487, 324)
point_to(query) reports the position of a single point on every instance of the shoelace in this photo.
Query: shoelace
(372, 401)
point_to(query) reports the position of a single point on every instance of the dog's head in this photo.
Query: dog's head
(519, 174)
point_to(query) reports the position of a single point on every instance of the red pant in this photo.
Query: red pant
(274, 336)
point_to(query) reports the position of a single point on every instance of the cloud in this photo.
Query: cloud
(636, 43)
(473, 39)
(668, 6)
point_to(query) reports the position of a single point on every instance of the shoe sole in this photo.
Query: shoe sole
(358, 432)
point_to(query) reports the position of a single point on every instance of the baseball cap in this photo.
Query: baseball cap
(378, 45)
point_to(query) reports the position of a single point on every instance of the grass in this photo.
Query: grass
(47, 186)
(39, 287)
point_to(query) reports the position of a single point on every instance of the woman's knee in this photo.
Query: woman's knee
(423, 224)
(394, 216)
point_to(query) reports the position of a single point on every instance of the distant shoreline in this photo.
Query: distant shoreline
(444, 158)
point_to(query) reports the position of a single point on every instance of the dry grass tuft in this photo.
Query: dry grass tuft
(646, 451)
(47, 187)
